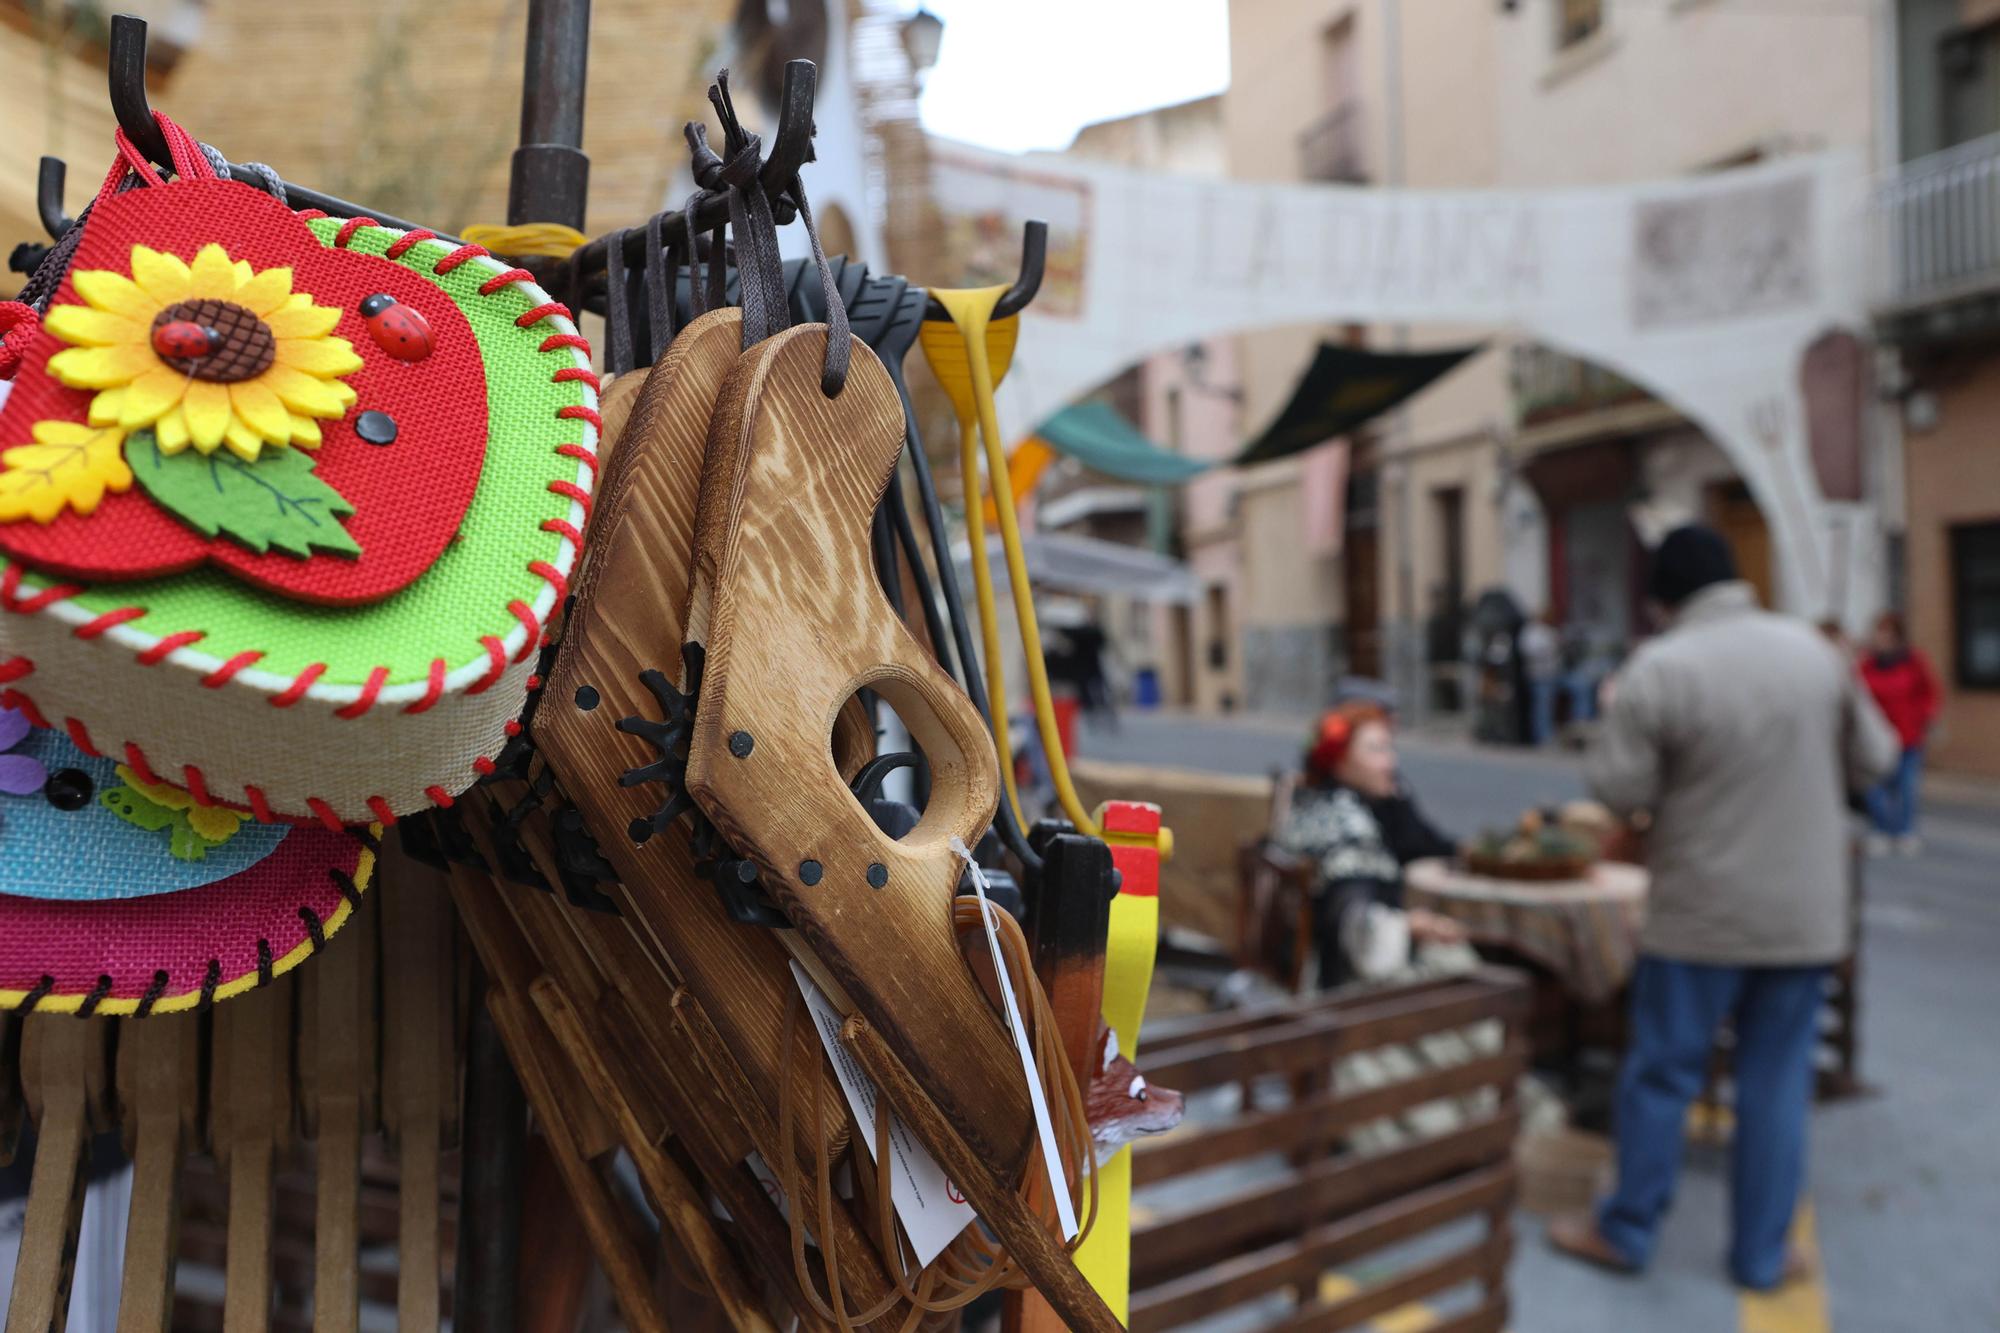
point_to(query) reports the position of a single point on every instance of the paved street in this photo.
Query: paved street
(1905, 1184)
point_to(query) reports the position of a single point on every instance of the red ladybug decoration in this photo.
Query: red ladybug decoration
(396, 329)
(184, 340)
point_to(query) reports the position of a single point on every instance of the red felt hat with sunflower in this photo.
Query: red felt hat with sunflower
(286, 500)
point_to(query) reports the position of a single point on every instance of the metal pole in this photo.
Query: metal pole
(551, 174)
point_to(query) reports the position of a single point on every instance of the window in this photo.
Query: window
(1975, 588)
(1576, 20)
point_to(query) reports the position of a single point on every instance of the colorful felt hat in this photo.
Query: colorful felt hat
(286, 500)
(118, 896)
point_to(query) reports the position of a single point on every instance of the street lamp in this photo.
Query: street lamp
(923, 33)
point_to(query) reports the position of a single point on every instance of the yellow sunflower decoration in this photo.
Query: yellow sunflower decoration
(211, 354)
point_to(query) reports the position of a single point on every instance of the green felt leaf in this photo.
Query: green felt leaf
(133, 808)
(185, 843)
(276, 501)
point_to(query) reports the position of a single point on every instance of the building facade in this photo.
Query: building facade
(1527, 469)
(1937, 308)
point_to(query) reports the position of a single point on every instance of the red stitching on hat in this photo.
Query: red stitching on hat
(534, 682)
(259, 807)
(503, 278)
(349, 227)
(79, 736)
(10, 583)
(96, 625)
(513, 728)
(361, 705)
(524, 614)
(571, 373)
(160, 651)
(25, 706)
(401, 245)
(382, 811)
(579, 453)
(223, 674)
(325, 813)
(556, 341)
(135, 759)
(554, 577)
(433, 691)
(300, 684)
(483, 766)
(578, 412)
(459, 256)
(496, 653)
(440, 798)
(197, 785)
(14, 668)
(563, 528)
(574, 492)
(541, 312)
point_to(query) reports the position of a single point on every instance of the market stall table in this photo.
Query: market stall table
(1584, 931)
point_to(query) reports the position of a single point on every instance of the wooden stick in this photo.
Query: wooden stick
(158, 1064)
(55, 1049)
(251, 1097)
(534, 1054)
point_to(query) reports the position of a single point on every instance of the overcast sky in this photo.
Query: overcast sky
(1022, 74)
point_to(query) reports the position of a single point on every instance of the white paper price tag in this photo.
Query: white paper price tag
(931, 1208)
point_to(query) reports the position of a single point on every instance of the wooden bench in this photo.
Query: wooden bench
(1330, 1201)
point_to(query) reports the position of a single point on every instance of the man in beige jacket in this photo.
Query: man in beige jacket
(1742, 733)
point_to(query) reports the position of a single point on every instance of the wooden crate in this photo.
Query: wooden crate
(1337, 1197)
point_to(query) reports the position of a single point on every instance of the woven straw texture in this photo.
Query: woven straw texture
(216, 941)
(91, 855)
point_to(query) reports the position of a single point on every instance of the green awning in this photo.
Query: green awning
(1343, 388)
(1095, 435)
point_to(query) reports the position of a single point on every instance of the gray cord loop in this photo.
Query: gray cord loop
(839, 344)
(617, 307)
(661, 266)
(698, 304)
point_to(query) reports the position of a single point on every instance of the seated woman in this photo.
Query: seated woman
(1362, 929)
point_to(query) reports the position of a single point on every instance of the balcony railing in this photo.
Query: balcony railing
(1549, 385)
(1331, 148)
(1936, 225)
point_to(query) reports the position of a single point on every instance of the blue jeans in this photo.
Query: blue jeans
(1676, 1010)
(1581, 686)
(1892, 806)
(1542, 710)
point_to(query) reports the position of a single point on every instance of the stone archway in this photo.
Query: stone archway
(1709, 292)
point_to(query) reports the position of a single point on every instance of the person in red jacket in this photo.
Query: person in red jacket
(1900, 679)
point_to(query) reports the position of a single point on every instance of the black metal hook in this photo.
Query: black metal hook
(1034, 255)
(49, 197)
(128, 89)
(135, 117)
(791, 147)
